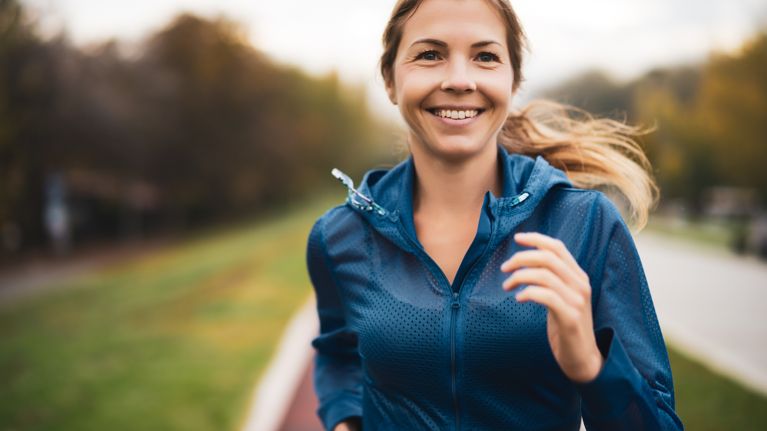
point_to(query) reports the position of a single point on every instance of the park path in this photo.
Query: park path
(44, 271)
(302, 412)
(710, 304)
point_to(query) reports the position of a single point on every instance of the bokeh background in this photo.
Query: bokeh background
(161, 163)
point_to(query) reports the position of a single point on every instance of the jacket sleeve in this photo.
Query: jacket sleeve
(337, 369)
(634, 389)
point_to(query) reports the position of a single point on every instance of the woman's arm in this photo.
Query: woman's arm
(634, 389)
(337, 367)
(601, 323)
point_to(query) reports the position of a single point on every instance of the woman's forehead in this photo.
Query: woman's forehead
(455, 20)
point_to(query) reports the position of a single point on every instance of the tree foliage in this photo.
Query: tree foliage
(711, 119)
(198, 126)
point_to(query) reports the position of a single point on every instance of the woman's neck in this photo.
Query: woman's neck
(454, 187)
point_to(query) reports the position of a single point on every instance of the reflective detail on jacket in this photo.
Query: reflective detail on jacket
(399, 350)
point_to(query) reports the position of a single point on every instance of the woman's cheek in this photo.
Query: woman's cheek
(416, 86)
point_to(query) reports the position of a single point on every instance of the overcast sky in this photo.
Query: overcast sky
(623, 37)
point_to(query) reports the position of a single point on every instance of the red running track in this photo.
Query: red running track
(302, 413)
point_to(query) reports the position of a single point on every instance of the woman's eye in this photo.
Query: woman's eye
(428, 55)
(487, 57)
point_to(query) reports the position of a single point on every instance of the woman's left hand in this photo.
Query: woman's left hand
(556, 281)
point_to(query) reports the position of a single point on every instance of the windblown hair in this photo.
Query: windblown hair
(595, 153)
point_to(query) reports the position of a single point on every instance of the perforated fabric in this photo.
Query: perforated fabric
(403, 351)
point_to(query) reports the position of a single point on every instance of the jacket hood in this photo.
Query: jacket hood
(385, 196)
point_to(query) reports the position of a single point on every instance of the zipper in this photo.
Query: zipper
(455, 304)
(368, 204)
(454, 307)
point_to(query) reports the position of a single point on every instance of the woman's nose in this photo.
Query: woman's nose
(458, 79)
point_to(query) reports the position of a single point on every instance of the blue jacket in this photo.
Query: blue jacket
(403, 349)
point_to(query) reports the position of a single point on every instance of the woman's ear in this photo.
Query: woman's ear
(390, 91)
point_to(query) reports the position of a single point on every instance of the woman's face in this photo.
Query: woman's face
(452, 77)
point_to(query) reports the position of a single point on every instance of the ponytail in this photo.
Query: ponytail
(595, 153)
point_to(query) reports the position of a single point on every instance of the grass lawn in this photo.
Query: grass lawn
(714, 234)
(172, 341)
(706, 401)
(175, 340)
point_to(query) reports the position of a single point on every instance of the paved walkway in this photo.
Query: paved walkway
(44, 272)
(302, 413)
(710, 303)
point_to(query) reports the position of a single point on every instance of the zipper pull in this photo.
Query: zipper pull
(345, 179)
(367, 203)
(455, 303)
(520, 198)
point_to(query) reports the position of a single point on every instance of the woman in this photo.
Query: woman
(482, 284)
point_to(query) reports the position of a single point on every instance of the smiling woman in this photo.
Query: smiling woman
(421, 326)
(452, 87)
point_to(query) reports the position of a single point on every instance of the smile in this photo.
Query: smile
(456, 116)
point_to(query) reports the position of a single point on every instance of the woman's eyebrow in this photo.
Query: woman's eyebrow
(485, 43)
(438, 42)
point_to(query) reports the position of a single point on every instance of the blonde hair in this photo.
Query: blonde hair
(598, 153)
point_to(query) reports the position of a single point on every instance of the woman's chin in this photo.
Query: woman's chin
(457, 150)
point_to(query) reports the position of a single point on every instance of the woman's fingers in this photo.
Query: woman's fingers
(553, 254)
(540, 258)
(545, 278)
(546, 242)
(551, 300)
(554, 245)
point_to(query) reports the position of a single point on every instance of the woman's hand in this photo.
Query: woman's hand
(556, 281)
(352, 424)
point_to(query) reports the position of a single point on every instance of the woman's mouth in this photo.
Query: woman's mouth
(456, 116)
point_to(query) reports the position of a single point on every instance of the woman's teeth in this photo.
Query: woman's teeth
(456, 115)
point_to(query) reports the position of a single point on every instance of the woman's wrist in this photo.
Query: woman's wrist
(591, 371)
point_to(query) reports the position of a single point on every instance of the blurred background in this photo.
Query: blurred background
(161, 163)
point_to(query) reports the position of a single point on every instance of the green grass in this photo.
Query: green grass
(175, 340)
(172, 341)
(706, 401)
(718, 235)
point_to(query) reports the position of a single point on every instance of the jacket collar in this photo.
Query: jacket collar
(526, 181)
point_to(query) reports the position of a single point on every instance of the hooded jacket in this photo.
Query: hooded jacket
(403, 349)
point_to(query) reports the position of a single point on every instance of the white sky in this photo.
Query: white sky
(623, 37)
